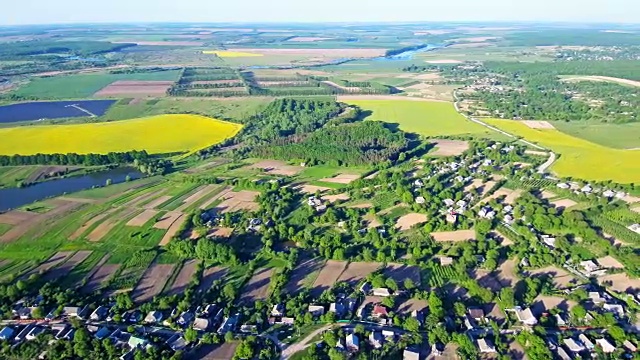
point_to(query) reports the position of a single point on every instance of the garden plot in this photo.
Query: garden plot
(328, 276)
(544, 303)
(454, 236)
(299, 275)
(141, 199)
(257, 288)
(157, 202)
(167, 220)
(182, 281)
(561, 277)
(142, 218)
(407, 221)
(400, 272)
(410, 305)
(65, 269)
(502, 238)
(510, 196)
(334, 198)
(50, 263)
(94, 220)
(620, 282)
(610, 262)
(135, 88)
(372, 221)
(488, 280)
(312, 189)
(106, 226)
(277, 168)
(215, 198)
(197, 196)
(100, 277)
(210, 275)
(356, 271)
(152, 282)
(538, 124)
(546, 194)
(450, 147)
(16, 217)
(506, 273)
(563, 204)
(173, 230)
(342, 179)
(225, 351)
(237, 201)
(224, 232)
(60, 207)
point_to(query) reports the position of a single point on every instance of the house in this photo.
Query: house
(23, 333)
(24, 313)
(129, 355)
(63, 331)
(445, 260)
(337, 307)
(476, 314)
(549, 241)
(249, 329)
(99, 313)
(7, 333)
(420, 200)
(616, 309)
(177, 342)
(410, 355)
(379, 311)
(573, 346)
(507, 209)
(185, 318)
(287, 321)
(388, 334)
(562, 354)
(102, 333)
(201, 324)
(606, 346)
(376, 339)
(75, 311)
(37, 330)
(526, 316)
(563, 186)
(365, 288)
(229, 324)
(635, 228)
(589, 267)
(596, 297)
(586, 342)
(384, 292)
(487, 213)
(316, 310)
(452, 218)
(277, 310)
(629, 346)
(587, 189)
(340, 345)
(353, 343)
(418, 183)
(449, 202)
(485, 346)
(608, 194)
(508, 219)
(153, 317)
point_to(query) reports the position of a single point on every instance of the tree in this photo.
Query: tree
(578, 312)
(409, 284)
(412, 324)
(618, 334)
(191, 335)
(435, 305)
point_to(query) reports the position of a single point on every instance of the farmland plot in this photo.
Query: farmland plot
(142, 218)
(152, 282)
(356, 271)
(173, 230)
(449, 147)
(257, 287)
(100, 277)
(400, 272)
(184, 277)
(328, 276)
(302, 272)
(407, 221)
(32, 111)
(52, 262)
(60, 207)
(94, 220)
(210, 275)
(454, 236)
(237, 201)
(560, 276)
(65, 269)
(106, 226)
(135, 88)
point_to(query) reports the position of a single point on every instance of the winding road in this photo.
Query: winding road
(541, 169)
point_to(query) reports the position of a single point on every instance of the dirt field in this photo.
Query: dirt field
(334, 198)
(372, 221)
(400, 272)
(365, 205)
(173, 230)
(537, 153)
(510, 196)
(202, 192)
(454, 236)
(561, 277)
(538, 124)
(66, 268)
(157, 202)
(410, 305)
(207, 82)
(210, 275)
(184, 277)
(100, 277)
(301, 272)
(207, 204)
(162, 43)
(142, 218)
(621, 282)
(342, 178)
(546, 194)
(50, 263)
(152, 282)
(564, 203)
(135, 88)
(488, 279)
(544, 303)
(406, 222)
(221, 232)
(106, 226)
(328, 276)
(327, 53)
(636, 209)
(15, 217)
(76, 234)
(167, 220)
(357, 271)
(312, 189)
(604, 79)
(506, 273)
(450, 147)
(217, 352)
(277, 168)
(257, 288)
(60, 207)
(480, 185)
(610, 262)
(237, 201)
(504, 240)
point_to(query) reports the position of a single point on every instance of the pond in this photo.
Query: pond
(42, 110)
(16, 197)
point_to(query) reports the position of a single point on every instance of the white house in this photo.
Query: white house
(353, 343)
(573, 345)
(526, 316)
(316, 310)
(384, 292)
(585, 340)
(606, 346)
(485, 346)
(410, 355)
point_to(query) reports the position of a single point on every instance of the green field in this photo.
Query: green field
(428, 118)
(618, 136)
(580, 158)
(82, 86)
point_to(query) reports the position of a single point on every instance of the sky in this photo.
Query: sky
(21, 12)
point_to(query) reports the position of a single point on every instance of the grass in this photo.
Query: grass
(4, 228)
(231, 54)
(85, 85)
(422, 117)
(618, 136)
(112, 190)
(580, 158)
(156, 134)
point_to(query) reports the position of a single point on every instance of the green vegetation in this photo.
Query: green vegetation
(617, 136)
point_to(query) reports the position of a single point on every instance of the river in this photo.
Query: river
(12, 198)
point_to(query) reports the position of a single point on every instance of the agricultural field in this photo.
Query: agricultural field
(31, 111)
(85, 85)
(427, 118)
(577, 156)
(156, 134)
(616, 136)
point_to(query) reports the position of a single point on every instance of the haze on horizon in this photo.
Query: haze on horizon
(350, 11)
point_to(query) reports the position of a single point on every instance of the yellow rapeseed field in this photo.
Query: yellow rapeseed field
(230, 54)
(579, 158)
(155, 134)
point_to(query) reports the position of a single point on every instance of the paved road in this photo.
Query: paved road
(541, 169)
(288, 350)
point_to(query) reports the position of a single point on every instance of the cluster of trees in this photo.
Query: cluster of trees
(19, 49)
(75, 159)
(205, 249)
(353, 144)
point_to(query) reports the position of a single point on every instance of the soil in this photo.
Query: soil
(328, 276)
(184, 277)
(173, 230)
(454, 236)
(342, 179)
(210, 275)
(406, 222)
(257, 288)
(167, 220)
(356, 271)
(100, 277)
(533, 124)
(450, 147)
(152, 282)
(66, 268)
(142, 218)
(277, 168)
(135, 88)
(298, 276)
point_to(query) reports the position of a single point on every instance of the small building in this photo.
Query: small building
(526, 316)
(573, 346)
(589, 267)
(7, 333)
(287, 321)
(420, 200)
(338, 308)
(606, 346)
(353, 343)
(616, 309)
(376, 339)
(316, 310)
(153, 317)
(185, 318)
(449, 202)
(177, 342)
(75, 311)
(549, 241)
(384, 292)
(201, 324)
(24, 332)
(365, 287)
(277, 310)
(485, 346)
(476, 314)
(587, 189)
(99, 313)
(249, 329)
(445, 260)
(586, 342)
(564, 186)
(379, 311)
(560, 353)
(596, 297)
(451, 217)
(608, 193)
(560, 321)
(229, 324)
(103, 333)
(408, 354)
(388, 334)
(629, 346)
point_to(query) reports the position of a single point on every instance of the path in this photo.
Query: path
(83, 110)
(288, 351)
(541, 169)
